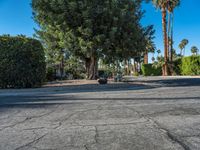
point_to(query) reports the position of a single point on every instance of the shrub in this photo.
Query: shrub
(190, 65)
(104, 73)
(150, 70)
(177, 66)
(50, 74)
(136, 74)
(22, 62)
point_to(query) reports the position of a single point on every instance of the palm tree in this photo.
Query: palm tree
(158, 51)
(185, 42)
(162, 5)
(153, 59)
(150, 48)
(166, 6)
(182, 46)
(194, 50)
(172, 4)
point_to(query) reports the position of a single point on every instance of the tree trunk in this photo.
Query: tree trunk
(171, 45)
(135, 66)
(146, 57)
(91, 68)
(172, 36)
(164, 26)
(168, 34)
(126, 67)
(62, 68)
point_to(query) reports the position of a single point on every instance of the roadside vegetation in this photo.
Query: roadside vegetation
(22, 62)
(92, 31)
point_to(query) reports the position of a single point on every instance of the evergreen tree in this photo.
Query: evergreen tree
(92, 29)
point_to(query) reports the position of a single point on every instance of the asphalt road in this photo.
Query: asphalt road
(146, 114)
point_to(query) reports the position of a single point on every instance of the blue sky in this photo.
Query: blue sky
(16, 18)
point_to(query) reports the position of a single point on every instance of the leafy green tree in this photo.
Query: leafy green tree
(92, 29)
(194, 50)
(74, 66)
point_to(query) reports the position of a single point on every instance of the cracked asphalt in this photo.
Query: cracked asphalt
(152, 113)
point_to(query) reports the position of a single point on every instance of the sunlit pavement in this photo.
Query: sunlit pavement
(148, 113)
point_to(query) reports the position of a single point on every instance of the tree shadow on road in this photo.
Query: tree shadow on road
(47, 101)
(175, 82)
(53, 96)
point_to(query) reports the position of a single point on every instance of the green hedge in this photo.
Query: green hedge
(50, 74)
(177, 66)
(150, 70)
(22, 62)
(190, 65)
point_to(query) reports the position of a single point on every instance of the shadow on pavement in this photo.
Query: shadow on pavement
(46, 98)
(45, 101)
(176, 82)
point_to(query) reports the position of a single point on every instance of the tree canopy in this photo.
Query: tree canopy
(92, 29)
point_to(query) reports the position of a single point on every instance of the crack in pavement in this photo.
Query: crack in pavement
(166, 131)
(26, 119)
(193, 135)
(13, 125)
(35, 140)
(96, 134)
(173, 137)
(69, 116)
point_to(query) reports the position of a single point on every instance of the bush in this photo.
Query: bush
(177, 66)
(22, 62)
(190, 65)
(150, 70)
(105, 73)
(50, 74)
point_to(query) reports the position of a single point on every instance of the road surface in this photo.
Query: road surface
(145, 114)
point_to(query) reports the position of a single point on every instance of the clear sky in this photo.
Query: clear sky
(16, 18)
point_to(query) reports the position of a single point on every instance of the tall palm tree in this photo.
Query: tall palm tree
(182, 46)
(172, 4)
(194, 50)
(185, 42)
(150, 48)
(167, 6)
(162, 5)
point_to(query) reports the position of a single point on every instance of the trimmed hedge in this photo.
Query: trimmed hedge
(22, 62)
(190, 65)
(150, 70)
